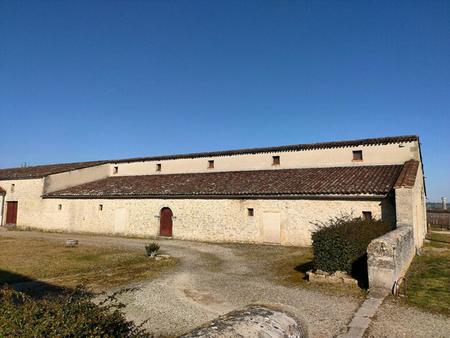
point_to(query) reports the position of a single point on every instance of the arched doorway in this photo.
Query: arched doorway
(165, 222)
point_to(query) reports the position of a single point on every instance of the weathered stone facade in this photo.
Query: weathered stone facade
(389, 257)
(28, 193)
(222, 220)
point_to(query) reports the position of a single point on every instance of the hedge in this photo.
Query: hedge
(70, 315)
(342, 241)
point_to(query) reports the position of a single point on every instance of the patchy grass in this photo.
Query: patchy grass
(427, 283)
(439, 238)
(212, 262)
(440, 227)
(287, 266)
(96, 267)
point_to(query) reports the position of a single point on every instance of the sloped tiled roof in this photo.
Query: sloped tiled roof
(408, 175)
(43, 170)
(376, 180)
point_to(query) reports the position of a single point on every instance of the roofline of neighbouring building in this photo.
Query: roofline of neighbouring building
(286, 148)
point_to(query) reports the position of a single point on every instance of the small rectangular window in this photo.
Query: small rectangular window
(13, 187)
(250, 212)
(100, 207)
(367, 215)
(59, 206)
(116, 170)
(158, 166)
(210, 164)
(357, 155)
(275, 160)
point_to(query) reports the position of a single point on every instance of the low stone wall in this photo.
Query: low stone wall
(389, 257)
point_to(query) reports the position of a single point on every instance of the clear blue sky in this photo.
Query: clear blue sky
(83, 80)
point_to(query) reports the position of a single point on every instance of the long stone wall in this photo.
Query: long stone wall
(372, 155)
(215, 220)
(389, 257)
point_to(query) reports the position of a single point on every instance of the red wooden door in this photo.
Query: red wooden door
(11, 212)
(165, 225)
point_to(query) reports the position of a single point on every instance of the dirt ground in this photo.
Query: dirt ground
(212, 279)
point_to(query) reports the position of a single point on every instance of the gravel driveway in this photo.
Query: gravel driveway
(212, 279)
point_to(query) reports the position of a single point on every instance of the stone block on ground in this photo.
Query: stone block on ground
(71, 243)
(254, 321)
(339, 277)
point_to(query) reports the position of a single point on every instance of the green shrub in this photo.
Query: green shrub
(70, 315)
(341, 243)
(152, 249)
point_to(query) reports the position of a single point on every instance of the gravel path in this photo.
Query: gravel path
(394, 320)
(212, 279)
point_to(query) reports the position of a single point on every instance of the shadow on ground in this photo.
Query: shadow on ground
(29, 286)
(359, 271)
(304, 268)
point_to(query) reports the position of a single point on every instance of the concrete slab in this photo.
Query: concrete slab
(360, 322)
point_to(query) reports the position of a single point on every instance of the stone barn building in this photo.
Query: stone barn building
(261, 195)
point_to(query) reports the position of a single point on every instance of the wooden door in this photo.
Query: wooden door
(165, 225)
(11, 212)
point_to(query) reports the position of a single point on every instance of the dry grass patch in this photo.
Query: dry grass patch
(427, 283)
(96, 267)
(438, 239)
(287, 266)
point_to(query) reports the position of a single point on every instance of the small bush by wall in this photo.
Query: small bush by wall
(71, 315)
(152, 249)
(341, 243)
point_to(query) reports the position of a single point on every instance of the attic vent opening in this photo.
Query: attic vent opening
(115, 170)
(210, 164)
(158, 166)
(367, 215)
(250, 212)
(275, 160)
(59, 206)
(100, 207)
(13, 187)
(357, 155)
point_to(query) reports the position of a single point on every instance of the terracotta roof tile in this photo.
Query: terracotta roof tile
(43, 170)
(377, 180)
(408, 175)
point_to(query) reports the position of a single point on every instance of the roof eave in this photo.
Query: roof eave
(376, 197)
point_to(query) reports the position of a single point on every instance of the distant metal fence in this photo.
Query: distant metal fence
(439, 218)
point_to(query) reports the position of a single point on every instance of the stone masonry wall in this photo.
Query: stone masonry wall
(330, 157)
(411, 209)
(28, 195)
(222, 220)
(389, 257)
